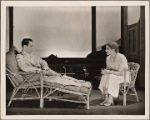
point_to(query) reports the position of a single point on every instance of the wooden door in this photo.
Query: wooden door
(133, 42)
(132, 47)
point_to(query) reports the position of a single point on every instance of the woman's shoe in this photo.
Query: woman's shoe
(102, 103)
(106, 98)
(109, 102)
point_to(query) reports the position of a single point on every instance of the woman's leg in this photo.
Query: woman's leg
(113, 86)
(104, 87)
(104, 84)
(105, 100)
(110, 101)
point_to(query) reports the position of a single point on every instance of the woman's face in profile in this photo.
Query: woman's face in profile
(108, 50)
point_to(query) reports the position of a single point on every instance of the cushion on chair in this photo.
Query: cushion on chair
(84, 90)
(35, 83)
(11, 62)
(12, 65)
(17, 80)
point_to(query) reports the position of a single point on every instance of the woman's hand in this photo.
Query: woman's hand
(105, 71)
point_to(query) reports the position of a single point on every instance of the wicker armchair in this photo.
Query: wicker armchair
(125, 87)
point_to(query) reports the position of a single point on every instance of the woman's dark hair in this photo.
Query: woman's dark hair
(26, 41)
(114, 45)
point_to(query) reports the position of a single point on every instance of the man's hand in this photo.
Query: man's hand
(43, 72)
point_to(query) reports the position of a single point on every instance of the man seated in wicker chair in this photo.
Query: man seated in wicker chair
(29, 62)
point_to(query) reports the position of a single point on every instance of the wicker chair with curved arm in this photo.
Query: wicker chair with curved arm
(25, 82)
(125, 86)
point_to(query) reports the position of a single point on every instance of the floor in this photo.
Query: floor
(31, 107)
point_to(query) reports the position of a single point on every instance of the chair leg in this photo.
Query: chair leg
(124, 95)
(136, 95)
(124, 99)
(41, 102)
(12, 96)
(88, 102)
(41, 97)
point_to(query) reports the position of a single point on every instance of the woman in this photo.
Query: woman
(113, 75)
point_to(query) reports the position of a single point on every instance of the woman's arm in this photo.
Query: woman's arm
(122, 67)
(118, 73)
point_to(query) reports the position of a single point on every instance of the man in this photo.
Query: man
(29, 62)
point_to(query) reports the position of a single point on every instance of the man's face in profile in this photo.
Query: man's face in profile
(29, 48)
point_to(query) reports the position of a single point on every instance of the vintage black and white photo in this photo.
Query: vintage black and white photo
(74, 58)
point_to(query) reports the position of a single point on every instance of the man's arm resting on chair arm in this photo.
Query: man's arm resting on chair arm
(25, 65)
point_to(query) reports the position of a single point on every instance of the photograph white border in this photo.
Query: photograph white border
(5, 4)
